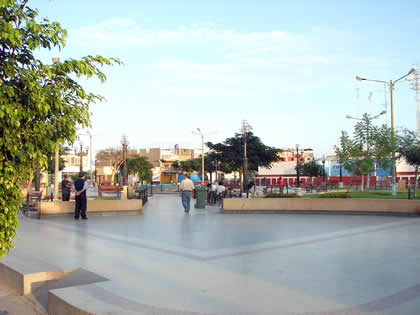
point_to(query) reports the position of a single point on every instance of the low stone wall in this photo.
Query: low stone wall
(322, 204)
(58, 207)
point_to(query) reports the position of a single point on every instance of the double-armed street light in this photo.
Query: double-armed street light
(198, 132)
(391, 85)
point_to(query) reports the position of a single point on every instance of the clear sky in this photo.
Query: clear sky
(288, 67)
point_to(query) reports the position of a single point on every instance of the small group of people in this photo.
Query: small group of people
(79, 187)
(215, 192)
(187, 189)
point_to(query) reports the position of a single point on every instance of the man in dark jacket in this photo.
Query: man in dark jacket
(80, 186)
(66, 188)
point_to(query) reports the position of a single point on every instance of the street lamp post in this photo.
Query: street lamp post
(202, 152)
(391, 85)
(297, 167)
(198, 132)
(81, 158)
(323, 168)
(124, 143)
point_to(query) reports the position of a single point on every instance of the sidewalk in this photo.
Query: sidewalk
(207, 262)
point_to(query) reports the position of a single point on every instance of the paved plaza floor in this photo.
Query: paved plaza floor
(208, 262)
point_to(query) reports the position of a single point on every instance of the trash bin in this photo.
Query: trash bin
(200, 197)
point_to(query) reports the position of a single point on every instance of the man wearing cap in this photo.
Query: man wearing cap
(66, 188)
(186, 189)
(80, 186)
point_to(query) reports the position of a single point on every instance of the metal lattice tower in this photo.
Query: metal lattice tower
(415, 85)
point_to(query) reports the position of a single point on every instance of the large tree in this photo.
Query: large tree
(41, 105)
(312, 169)
(141, 167)
(231, 153)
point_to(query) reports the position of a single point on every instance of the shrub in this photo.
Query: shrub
(341, 194)
(280, 195)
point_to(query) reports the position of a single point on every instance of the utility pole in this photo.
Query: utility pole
(245, 130)
(415, 85)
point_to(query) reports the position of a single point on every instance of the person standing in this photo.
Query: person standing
(220, 192)
(281, 184)
(80, 186)
(65, 188)
(186, 190)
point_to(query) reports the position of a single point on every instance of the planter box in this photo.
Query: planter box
(322, 204)
(57, 207)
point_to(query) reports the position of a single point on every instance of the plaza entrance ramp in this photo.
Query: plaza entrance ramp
(164, 261)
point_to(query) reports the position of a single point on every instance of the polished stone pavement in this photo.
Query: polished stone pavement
(207, 262)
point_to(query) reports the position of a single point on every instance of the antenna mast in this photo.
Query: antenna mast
(415, 85)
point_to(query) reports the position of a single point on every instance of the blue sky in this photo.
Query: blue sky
(288, 67)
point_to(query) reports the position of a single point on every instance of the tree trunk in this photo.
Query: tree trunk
(415, 181)
(363, 183)
(368, 181)
(30, 181)
(240, 181)
(37, 178)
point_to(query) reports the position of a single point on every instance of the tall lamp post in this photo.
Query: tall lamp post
(391, 85)
(198, 132)
(80, 153)
(365, 120)
(124, 143)
(323, 168)
(88, 133)
(297, 167)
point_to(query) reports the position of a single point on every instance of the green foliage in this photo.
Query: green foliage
(40, 105)
(191, 165)
(176, 165)
(370, 144)
(140, 166)
(341, 194)
(281, 195)
(117, 177)
(232, 153)
(312, 169)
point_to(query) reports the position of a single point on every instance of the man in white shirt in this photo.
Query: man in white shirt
(220, 192)
(186, 189)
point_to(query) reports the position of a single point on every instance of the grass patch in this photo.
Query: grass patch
(384, 194)
(280, 195)
(105, 198)
(341, 194)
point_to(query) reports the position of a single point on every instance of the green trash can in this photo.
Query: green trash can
(200, 197)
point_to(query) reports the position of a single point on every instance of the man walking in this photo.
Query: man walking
(186, 189)
(66, 188)
(80, 186)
